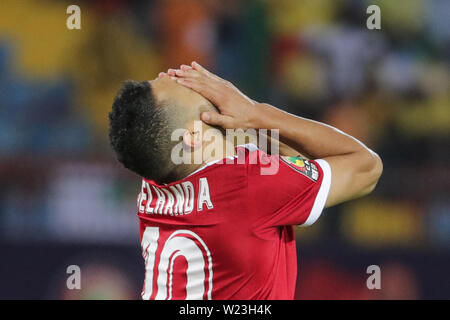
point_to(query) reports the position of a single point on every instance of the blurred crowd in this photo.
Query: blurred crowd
(389, 88)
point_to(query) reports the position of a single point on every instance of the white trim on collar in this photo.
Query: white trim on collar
(250, 146)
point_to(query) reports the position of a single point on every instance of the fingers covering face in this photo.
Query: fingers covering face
(188, 73)
(198, 79)
(193, 71)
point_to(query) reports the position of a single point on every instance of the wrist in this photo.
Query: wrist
(260, 117)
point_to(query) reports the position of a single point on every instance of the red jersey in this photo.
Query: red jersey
(226, 231)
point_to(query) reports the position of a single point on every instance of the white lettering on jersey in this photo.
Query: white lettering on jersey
(142, 197)
(170, 202)
(203, 195)
(148, 208)
(177, 199)
(188, 196)
(159, 206)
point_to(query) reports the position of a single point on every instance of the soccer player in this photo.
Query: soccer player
(222, 227)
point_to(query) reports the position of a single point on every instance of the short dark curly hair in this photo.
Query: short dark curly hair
(139, 132)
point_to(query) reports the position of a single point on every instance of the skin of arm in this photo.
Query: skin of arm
(355, 168)
(283, 148)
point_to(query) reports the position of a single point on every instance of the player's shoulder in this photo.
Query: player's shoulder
(280, 165)
(257, 161)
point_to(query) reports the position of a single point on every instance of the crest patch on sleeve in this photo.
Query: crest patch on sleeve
(303, 166)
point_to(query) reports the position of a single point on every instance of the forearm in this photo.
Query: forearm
(283, 148)
(316, 139)
(355, 168)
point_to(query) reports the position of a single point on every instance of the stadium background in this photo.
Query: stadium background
(65, 200)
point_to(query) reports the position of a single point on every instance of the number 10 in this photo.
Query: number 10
(180, 243)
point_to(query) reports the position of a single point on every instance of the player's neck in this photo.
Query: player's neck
(227, 150)
(223, 149)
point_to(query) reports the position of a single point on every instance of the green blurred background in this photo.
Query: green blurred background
(65, 200)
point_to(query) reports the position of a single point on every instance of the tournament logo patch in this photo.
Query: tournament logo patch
(303, 166)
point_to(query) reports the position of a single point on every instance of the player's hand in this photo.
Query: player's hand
(236, 109)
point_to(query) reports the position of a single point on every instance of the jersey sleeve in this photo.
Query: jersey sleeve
(287, 190)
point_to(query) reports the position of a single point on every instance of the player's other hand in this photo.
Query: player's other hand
(236, 109)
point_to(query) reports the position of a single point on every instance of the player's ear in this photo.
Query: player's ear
(192, 139)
